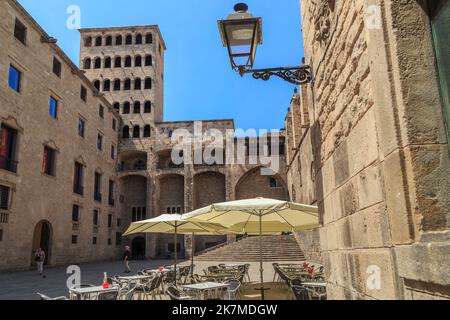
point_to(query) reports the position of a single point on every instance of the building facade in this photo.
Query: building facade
(378, 120)
(85, 151)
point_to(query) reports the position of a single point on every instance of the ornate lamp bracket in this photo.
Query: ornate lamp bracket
(295, 75)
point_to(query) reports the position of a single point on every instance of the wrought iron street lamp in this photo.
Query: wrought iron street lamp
(241, 33)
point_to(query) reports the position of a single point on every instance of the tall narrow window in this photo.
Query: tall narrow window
(127, 85)
(137, 84)
(95, 218)
(97, 63)
(129, 39)
(83, 93)
(20, 31)
(148, 83)
(118, 62)
(53, 107)
(15, 77)
(98, 41)
(148, 107)
(113, 152)
(87, 63)
(139, 38)
(107, 64)
(148, 60)
(126, 132)
(136, 132)
(101, 111)
(114, 124)
(78, 179)
(88, 42)
(107, 85)
(441, 24)
(8, 146)
(117, 85)
(127, 62)
(4, 197)
(147, 131)
(110, 219)
(111, 193)
(273, 182)
(56, 67)
(97, 84)
(137, 107)
(116, 106)
(148, 38)
(126, 108)
(75, 213)
(81, 127)
(138, 61)
(97, 187)
(108, 41)
(118, 40)
(48, 163)
(99, 141)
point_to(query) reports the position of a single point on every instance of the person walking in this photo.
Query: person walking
(39, 258)
(126, 259)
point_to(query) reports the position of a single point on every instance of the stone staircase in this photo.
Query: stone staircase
(275, 248)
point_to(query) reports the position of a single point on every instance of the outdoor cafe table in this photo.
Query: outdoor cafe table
(315, 284)
(205, 288)
(88, 293)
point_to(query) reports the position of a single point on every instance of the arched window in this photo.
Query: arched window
(126, 132)
(87, 63)
(148, 38)
(139, 38)
(147, 131)
(127, 85)
(148, 60)
(129, 39)
(127, 62)
(137, 107)
(148, 83)
(136, 132)
(97, 84)
(147, 107)
(116, 106)
(137, 84)
(117, 85)
(118, 40)
(97, 63)
(118, 62)
(98, 41)
(88, 42)
(108, 62)
(126, 108)
(107, 85)
(109, 41)
(138, 61)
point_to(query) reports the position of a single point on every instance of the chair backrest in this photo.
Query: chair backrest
(234, 285)
(301, 293)
(109, 296)
(173, 293)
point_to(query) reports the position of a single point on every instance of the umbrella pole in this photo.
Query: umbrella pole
(192, 254)
(261, 269)
(176, 251)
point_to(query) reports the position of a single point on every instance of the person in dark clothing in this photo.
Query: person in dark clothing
(126, 259)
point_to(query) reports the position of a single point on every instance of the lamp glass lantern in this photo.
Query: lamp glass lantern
(241, 33)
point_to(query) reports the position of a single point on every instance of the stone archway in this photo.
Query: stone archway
(253, 185)
(138, 248)
(42, 238)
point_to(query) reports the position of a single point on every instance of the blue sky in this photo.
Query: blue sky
(199, 82)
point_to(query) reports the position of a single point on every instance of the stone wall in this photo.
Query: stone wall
(380, 149)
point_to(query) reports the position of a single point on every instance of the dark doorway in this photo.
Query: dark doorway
(42, 238)
(138, 248)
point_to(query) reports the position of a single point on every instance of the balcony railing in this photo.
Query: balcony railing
(9, 165)
(98, 197)
(4, 216)
(78, 190)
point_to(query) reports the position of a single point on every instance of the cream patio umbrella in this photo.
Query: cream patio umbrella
(173, 224)
(258, 216)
